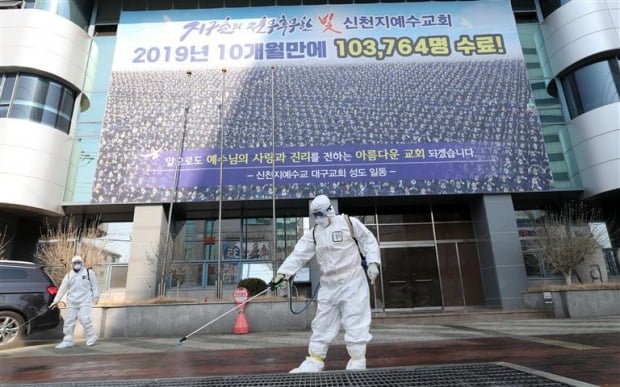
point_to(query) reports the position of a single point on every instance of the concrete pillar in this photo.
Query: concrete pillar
(149, 226)
(501, 262)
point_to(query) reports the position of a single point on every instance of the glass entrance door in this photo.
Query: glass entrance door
(410, 277)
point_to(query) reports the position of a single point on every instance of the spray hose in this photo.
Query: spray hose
(290, 298)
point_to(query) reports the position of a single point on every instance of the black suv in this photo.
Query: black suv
(26, 292)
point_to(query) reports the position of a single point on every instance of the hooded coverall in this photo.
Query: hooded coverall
(82, 292)
(343, 297)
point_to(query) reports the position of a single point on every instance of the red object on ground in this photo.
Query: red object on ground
(241, 325)
(240, 295)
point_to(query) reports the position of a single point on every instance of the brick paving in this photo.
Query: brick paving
(585, 350)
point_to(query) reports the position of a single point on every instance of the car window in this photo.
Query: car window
(13, 274)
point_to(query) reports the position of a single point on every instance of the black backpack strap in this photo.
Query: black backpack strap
(313, 234)
(346, 217)
(364, 264)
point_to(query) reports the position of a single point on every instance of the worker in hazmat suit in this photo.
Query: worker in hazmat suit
(82, 291)
(343, 298)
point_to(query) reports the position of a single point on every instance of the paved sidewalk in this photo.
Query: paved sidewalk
(586, 350)
(527, 330)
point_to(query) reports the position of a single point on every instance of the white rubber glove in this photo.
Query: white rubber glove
(372, 272)
(277, 281)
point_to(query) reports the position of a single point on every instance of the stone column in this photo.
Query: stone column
(501, 262)
(149, 227)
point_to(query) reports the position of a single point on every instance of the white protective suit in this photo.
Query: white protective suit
(343, 297)
(82, 293)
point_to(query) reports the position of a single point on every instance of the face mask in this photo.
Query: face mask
(320, 217)
(77, 267)
(322, 221)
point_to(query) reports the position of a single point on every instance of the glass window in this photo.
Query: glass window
(108, 11)
(7, 88)
(189, 231)
(247, 249)
(118, 276)
(532, 264)
(135, 5)
(89, 150)
(25, 89)
(230, 273)
(38, 99)
(288, 230)
(422, 216)
(263, 271)
(186, 275)
(54, 95)
(78, 11)
(407, 232)
(547, 104)
(548, 6)
(89, 122)
(67, 103)
(26, 112)
(106, 45)
(210, 251)
(39, 94)
(185, 4)
(212, 3)
(113, 240)
(63, 123)
(13, 274)
(592, 86)
(447, 213)
(160, 4)
(49, 118)
(454, 230)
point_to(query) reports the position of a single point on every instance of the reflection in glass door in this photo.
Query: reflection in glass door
(460, 274)
(410, 278)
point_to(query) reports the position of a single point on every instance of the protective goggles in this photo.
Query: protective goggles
(320, 214)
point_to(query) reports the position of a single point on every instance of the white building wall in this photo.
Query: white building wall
(578, 31)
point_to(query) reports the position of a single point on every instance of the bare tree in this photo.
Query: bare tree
(60, 242)
(161, 261)
(564, 238)
(4, 243)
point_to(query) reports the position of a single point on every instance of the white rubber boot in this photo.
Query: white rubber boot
(356, 364)
(64, 344)
(91, 340)
(315, 360)
(358, 357)
(311, 364)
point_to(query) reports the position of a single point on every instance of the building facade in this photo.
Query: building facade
(198, 131)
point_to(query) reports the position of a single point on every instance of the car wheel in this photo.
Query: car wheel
(11, 329)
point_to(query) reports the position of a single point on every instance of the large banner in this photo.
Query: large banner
(346, 100)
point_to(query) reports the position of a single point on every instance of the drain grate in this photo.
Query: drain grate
(486, 374)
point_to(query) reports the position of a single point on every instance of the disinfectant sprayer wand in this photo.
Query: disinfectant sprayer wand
(222, 315)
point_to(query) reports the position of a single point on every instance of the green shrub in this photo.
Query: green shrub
(254, 285)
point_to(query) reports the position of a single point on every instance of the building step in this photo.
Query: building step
(448, 316)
